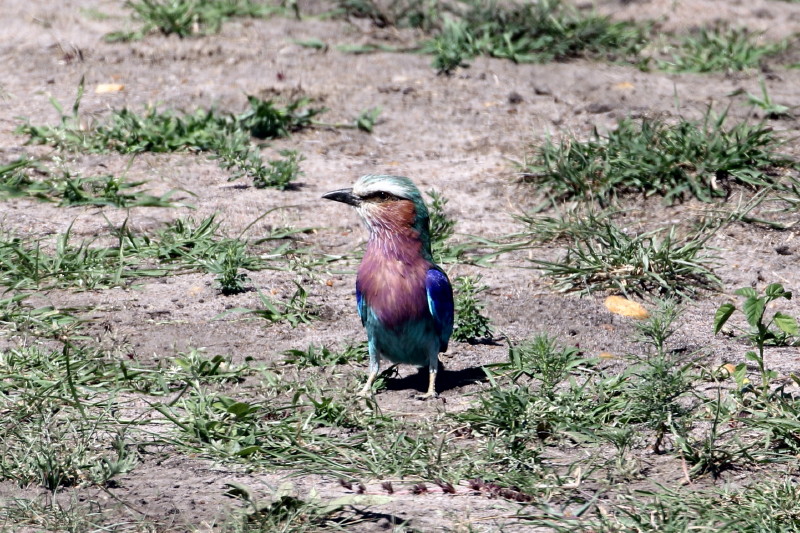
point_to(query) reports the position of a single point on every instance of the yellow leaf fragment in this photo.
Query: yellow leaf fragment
(622, 306)
(195, 290)
(104, 88)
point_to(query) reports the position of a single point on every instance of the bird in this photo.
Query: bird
(404, 299)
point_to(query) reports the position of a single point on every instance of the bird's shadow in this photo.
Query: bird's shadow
(445, 381)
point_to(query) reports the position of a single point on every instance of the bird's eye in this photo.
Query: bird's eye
(379, 196)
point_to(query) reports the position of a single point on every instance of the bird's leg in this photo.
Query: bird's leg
(374, 367)
(367, 390)
(433, 367)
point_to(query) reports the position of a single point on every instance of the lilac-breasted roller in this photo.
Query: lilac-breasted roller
(405, 300)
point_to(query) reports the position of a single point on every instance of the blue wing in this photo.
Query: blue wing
(362, 308)
(440, 303)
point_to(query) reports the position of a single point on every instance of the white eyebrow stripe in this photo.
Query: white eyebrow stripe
(360, 189)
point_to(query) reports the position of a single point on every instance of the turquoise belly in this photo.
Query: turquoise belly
(413, 343)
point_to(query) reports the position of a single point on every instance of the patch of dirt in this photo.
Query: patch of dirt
(456, 134)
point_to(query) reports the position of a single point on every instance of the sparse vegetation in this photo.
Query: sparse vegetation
(367, 119)
(297, 310)
(772, 110)
(719, 49)
(780, 329)
(442, 231)
(764, 506)
(552, 30)
(186, 18)
(653, 156)
(324, 356)
(471, 324)
(659, 379)
(72, 189)
(656, 262)
(531, 32)
(423, 14)
(442, 225)
(209, 356)
(27, 265)
(225, 137)
(280, 172)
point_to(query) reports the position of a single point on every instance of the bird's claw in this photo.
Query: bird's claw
(427, 396)
(431, 394)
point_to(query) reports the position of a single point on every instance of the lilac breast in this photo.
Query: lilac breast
(392, 283)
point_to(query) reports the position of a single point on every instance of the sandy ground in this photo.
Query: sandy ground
(458, 135)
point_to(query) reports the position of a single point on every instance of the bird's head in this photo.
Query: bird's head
(387, 204)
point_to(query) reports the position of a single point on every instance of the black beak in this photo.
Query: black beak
(345, 196)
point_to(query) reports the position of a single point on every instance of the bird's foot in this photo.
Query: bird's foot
(430, 395)
(366, 392)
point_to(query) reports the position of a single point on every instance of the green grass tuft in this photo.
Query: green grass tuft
(280, 173)
(470, 323)
(186, 18)
(422, 14)
(553, 30)
(442, 230)
(225, 137)
(28, 265)
(68, 188)
(653, 156)
(659, 380)
(573, 222)
(720, 49)
(295, 311)
(655, 262)
(762, 507)
(315, 356)
(442, 226)
(531, 32)
(542, 357)
(266, 120)
(772, 110)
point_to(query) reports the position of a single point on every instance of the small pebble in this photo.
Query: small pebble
(783, 250)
